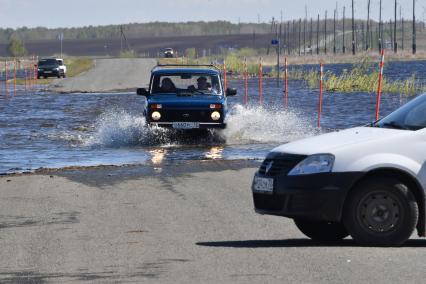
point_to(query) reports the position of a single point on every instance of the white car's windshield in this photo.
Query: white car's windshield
(205, 84)
(411, 116)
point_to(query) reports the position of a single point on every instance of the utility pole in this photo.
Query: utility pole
(294, 35)
(310, 38)
(414, 27)
(402, 28)
(395, 44)
(121, 39)
(288, 37)
(353, 29)
(304, 30)
(281, 31)
(300, 32)
(380, 27)
(325, 33)
(334, 32)
(368, 26)
(344, 47)
(318, 23)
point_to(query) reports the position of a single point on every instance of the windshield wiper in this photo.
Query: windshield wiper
(198, 92)
(393, 124)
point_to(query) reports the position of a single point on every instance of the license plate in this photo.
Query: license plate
(265, 185)
(186, 125)
(47, 71)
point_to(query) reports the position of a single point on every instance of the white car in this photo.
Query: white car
(368, 182)
(169, 53)
(62, 66)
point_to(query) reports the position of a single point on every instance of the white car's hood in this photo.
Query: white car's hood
(328, 143)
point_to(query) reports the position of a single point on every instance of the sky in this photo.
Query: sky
(76, 13)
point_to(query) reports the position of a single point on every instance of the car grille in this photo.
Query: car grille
(187, 116)
(281, 164)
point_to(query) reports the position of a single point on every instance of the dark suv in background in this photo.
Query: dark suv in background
(50, 67)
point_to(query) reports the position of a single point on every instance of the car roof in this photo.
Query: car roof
(180, 70)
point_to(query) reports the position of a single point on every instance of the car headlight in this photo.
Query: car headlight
(215, 115)
(320, 163)
(156, 115)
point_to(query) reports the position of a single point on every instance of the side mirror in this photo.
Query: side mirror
(142, 92)
(231, 92)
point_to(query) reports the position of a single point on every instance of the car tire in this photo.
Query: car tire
(321, 231)
(381, 212)
(45, 77)
(64, 76)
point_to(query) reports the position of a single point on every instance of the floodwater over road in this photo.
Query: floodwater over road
(46, 130)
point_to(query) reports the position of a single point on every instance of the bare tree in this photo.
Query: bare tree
(353, 29)
(395, 44)
(343, 45)
(325, 33)
(414, 27)
(368, 25)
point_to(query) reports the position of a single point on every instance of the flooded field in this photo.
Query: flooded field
(46, 130)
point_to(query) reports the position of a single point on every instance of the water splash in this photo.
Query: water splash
(119, 128)
(260, 125)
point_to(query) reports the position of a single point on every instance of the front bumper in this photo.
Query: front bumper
(49, 73)
(316, 196)
(202, 125)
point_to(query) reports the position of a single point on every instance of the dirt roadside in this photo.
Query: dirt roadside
(108, 75)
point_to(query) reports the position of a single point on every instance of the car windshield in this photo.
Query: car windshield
(411, 116)
(48, 62)
(186, 84)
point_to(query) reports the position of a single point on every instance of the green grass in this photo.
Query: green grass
(76, 66)
(359, 79)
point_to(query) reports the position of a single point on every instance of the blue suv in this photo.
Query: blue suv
(186, 97)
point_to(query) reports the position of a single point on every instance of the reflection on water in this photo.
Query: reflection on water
(157, 156)
(215, 153)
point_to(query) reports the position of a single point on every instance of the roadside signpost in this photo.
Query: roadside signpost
(61, 38)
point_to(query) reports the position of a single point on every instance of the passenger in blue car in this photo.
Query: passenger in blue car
(167, 86)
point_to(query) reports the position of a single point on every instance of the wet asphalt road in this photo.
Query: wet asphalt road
(181, 222)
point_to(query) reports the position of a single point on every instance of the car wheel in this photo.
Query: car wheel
(59, 76)
(45, 77)
(64, 76)
(381, 212)
(322, 231)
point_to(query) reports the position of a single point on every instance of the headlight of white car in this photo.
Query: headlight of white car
(315, 164)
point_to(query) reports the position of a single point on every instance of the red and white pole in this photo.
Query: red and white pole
(225, 79)
(35, 70)
(5, 78)
(14, 77)
(379, 87)
(260, 83)
(245, 82)
(286, 83)
(31, 72)
(25, 75)
(320, 95)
